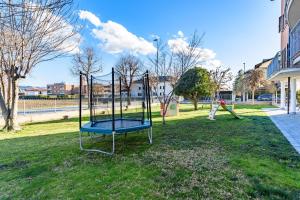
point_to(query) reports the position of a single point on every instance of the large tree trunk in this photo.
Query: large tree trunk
(11, 121)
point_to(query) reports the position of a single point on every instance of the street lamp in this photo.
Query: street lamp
(156, 70)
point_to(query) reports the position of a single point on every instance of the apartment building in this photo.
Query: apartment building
(285, 66)
(62, 89)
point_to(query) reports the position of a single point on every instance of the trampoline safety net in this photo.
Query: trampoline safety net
(116, 101)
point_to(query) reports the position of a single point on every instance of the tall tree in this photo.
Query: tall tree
(254, 78)
(31, 32)
(88, 63)
(127, 67)
(193, 84)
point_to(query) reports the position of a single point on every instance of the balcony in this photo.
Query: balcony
(274, 67)
(292, 13)
(295, 46)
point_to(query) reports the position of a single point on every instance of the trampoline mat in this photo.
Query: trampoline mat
(121, 125)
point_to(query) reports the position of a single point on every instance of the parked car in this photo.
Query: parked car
(264, 97)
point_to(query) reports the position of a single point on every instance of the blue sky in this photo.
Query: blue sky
(236, 31)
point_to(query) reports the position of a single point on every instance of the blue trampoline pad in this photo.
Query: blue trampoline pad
(121, 126)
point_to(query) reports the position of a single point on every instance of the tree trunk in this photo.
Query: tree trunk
(88, 90)
(195, 103)
(11, 119)
(253, 93)
(128, 97)
(3, 108)
(165, 109)
(218, 95)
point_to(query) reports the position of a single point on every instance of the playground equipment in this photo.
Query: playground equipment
(110, 113)
(215, 108)
(173, 108)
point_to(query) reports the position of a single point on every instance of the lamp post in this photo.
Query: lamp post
(156, 69)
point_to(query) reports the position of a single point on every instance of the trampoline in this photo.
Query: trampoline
(113, 109)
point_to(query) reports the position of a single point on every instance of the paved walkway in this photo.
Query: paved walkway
(289, 125)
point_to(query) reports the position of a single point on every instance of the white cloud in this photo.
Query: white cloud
(180, 34)
(180, 42)
(212, 64)
(115, 38)
(54, 34)
(83, 14)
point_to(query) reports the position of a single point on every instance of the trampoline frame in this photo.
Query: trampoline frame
(88, 128)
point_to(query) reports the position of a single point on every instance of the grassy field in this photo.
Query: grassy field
(191, 158)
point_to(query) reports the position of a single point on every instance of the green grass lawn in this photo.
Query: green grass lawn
(191, 158)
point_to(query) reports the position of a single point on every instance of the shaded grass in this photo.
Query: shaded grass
(191, 158)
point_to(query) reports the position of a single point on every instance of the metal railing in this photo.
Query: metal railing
(274, 66)
(295, 42)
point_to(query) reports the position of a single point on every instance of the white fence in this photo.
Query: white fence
(34, 106)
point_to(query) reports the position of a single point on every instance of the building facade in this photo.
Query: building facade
(285, 66)
(61, 89)
(162, 87)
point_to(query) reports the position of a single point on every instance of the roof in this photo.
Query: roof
(161, 79)
(264, 64)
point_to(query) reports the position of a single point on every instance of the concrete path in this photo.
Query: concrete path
(289, 125)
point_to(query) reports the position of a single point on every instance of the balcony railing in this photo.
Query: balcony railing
(274, 66)
(295, 43)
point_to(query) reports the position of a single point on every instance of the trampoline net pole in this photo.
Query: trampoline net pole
(148, 85)
(146, 95)
(143, 101)
(120, 89)
(91, 100)
(80, 100)
(113, 99)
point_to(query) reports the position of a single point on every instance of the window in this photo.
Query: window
(140, 88)
(281, 23)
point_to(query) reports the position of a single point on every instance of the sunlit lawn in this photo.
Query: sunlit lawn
(191, 157)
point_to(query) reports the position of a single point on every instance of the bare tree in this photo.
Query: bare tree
(127, 67)
(189, 55)
(31, 32)
(88, 63)
(165, 76)
(239, 82)
(254, 79)
(169, 65)
(220, 77)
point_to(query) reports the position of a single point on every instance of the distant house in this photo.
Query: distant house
(62, 89)
(35, 91)
(156, 91)
(264, 66)
(32, 91)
